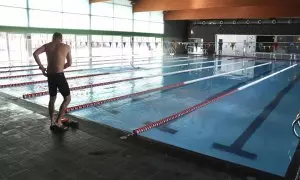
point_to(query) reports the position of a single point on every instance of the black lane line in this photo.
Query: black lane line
(238, 144)
(165, 128)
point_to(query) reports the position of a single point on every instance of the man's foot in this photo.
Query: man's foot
(57, 128)
(69, 123)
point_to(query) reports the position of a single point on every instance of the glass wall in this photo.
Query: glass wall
(113, 15)
(68, 14)
(20, 46)
(3, 47)
(13, 13)
(144, 20)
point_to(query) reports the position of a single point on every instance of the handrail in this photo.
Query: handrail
(296, 122)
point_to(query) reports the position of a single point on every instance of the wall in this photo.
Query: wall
(208, 32)
(176, 31)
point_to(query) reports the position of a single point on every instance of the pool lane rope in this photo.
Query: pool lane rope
(107, 73)
(45, 81)
(180, 84)
(200, 105)
(98, 64)
(43, 93)
(169, 66)
(97, 61)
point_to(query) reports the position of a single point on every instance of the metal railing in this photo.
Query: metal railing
(266, 50)
(296, 125)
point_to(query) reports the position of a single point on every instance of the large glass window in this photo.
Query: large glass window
(157, 16)
(144, 16)
(45, 19)
(141, 26)
(82, 48)
(102, 9)
(102, 23)
(76, 21)
(17, 49)
(3, 47)
(122, 2)
(123, 11)
(14, 3)
(157, 28)
(51, 5)
(122, 25)
(13, 16)
(76, 6)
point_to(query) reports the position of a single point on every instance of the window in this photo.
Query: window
(13, 16)
(117, 38)
(122, 11)
(141, 26)
(122, 2)
(107, 38)
(14, 3)
(122, 25)
(157, 16)
(144, 16)
(102, 9)
(157, 28)
(45, 19)
(102, 23)
(76, 6)
(51, 5)
(76, 21)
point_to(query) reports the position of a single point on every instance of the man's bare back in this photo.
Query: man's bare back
(57, 53)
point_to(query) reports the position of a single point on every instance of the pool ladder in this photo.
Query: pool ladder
(296, 124)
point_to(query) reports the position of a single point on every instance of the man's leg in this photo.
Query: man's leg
(62, 109)
(51, 109)
(64, 89)
(53, 92)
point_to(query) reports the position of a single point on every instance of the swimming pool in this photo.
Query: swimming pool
(245, 123)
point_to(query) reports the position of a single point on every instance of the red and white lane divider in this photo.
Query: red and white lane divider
(146, 62)
(140, 62)
(26, 96)
(91, 75)
(39, 74)
(198, 106)
(97, 60)
(97, 103)
(45, 81)
(18, 66)
(98, 64)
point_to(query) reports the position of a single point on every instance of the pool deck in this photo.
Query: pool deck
(29, 150)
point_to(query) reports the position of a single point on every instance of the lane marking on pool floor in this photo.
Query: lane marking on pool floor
(200, 105)
(101, 68)
(43, 93)
(100, 74)
(237, 146)
(180, 84)
(100, 64)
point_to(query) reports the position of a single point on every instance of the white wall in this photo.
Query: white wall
(244, 44)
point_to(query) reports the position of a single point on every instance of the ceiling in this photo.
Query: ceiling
(219, 9)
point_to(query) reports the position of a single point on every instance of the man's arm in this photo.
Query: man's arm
(69, 59)
(36, 54)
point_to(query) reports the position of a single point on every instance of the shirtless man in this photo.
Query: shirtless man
(56, 52)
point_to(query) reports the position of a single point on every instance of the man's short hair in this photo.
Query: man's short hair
(57, 35)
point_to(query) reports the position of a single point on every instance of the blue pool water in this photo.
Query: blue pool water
(251, 127)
